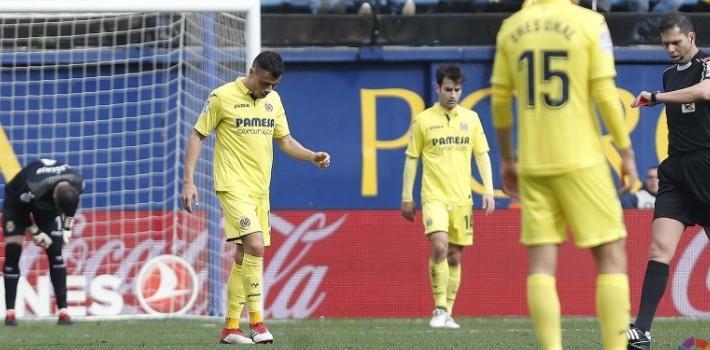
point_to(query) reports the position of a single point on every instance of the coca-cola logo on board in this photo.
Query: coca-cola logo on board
(298, 285)
(167, 284)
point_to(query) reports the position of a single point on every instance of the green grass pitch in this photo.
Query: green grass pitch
(475, 333)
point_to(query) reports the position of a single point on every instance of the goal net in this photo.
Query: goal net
(115, 92)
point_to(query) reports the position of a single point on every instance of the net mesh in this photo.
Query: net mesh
(116, 96)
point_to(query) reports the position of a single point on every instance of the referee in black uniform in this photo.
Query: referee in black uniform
(41, 200)
(683, 198)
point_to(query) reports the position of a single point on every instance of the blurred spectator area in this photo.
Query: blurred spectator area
(385, 6)
(302, 30)
(439, 6)
(452, 29)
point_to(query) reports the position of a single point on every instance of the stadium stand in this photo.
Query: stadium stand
(294, 29)
(459, 29)
(288, 30)
(395, 6)
(448, 6)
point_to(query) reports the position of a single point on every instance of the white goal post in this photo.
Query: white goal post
(113, 88)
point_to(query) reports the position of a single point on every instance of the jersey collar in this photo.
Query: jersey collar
(243, 88)
(535, 2)
(445, 112)
(698, 57)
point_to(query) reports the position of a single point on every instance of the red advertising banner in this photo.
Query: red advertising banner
(334, 263)
(374, 264)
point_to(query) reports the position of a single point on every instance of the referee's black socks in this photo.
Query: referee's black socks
(654, 285)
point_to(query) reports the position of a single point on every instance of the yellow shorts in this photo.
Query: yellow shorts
(585, 199)
(454, 219)
(245, 214)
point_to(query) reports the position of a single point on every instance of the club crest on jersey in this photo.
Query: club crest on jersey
(10, 226)
(244, 222)
(268, 107)
(687, 107)
(463, 126)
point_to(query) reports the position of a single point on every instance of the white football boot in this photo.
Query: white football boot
(234, 336)
(438, 319)
(260, 334)
(450, 323)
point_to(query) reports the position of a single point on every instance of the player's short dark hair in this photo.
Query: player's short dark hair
(676, 19)
(67, 200)
(451, 71)
(271, 62)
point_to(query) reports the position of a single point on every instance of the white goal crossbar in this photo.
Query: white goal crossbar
(252, 8)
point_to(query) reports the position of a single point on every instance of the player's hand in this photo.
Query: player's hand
(643, 99)
(321, 159)
(66, 236)
(66, 229)
(40, 238)
(408, 210)
(629, 174)
(189, 196)
(489, 203)
(509, 175)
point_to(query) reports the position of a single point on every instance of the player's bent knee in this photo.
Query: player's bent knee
(438, 255)
(454, 261)
(253, 244)
(16, 239)
(661, 252)
(454, 257)
(438, 251)
(257, 251)
(611, 257)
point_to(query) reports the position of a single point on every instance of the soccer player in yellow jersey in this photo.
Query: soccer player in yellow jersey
(556, 57)
(445, 136)
(247, 116)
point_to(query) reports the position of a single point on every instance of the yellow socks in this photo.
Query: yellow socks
(251, 279)
(235, 297)
(231, 323)
(613, 308)
(439, 274)
(544, 308)
(452, 287)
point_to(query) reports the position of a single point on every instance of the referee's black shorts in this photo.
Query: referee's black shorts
(684, 188)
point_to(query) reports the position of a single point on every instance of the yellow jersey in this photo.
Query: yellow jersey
(548, 53)
(244, 149)
(446, 140)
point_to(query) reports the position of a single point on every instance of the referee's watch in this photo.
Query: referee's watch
(654, 100)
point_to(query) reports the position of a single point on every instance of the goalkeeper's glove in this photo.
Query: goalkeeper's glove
(40, 238)
(66, 229)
